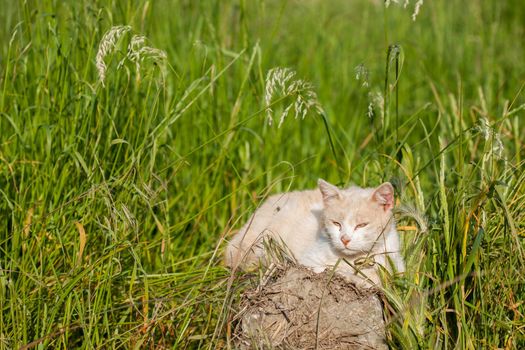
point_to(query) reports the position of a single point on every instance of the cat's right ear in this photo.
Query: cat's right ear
(329, 191)
(384, 196)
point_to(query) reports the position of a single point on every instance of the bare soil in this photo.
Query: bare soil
(294, 308)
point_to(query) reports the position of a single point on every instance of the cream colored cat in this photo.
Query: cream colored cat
(321, 226)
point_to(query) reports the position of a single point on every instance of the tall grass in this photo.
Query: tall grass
(116, 197)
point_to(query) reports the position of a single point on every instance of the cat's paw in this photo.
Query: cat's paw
(318, 269)
(364, 280)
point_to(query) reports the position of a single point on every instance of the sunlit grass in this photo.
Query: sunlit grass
(117, 197)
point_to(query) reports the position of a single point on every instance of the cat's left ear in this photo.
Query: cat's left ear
(384, 196)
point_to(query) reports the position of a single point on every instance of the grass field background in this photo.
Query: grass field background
(117, 196)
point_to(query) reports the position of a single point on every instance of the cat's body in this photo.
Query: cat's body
(321, 226)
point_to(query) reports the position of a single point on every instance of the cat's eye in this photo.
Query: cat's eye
(336, 224)
(361, 225)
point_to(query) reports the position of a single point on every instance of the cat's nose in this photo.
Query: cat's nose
(345, 239)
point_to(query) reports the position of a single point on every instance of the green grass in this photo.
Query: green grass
(159, 166)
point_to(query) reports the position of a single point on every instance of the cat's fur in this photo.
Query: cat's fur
(323, 225)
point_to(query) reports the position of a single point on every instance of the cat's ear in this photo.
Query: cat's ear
(384, 196)
(328, 191)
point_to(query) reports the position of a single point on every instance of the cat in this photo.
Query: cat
(321, 226)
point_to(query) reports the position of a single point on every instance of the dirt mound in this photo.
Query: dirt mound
(294, 308)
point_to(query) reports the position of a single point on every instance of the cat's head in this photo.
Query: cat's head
(355, 218)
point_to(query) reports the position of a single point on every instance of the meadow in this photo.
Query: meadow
(136, 136)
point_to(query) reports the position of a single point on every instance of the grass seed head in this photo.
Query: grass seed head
(362, 74)
(491, 135)
(418, 5)
(387, 2)
(138, 51)
(281, 82)
(107, 46)
(376, 100)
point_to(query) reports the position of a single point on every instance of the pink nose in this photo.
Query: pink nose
(345, 239)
